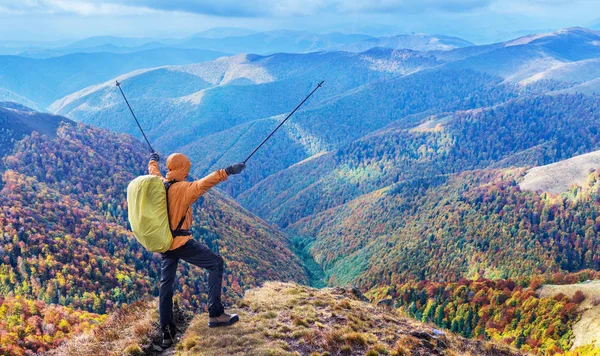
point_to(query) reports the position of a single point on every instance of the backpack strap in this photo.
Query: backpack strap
(178, 231)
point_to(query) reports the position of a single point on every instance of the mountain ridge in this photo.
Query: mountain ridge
(287, 319)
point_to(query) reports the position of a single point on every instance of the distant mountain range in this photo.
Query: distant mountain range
(233, 40)
(417, 42)
(37, 77)
(401, 117)
(42, 81)
(237, 39)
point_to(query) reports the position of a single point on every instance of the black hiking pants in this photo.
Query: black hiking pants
(199, 255)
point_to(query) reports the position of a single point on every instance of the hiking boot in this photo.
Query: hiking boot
(223, 320)
(168, 337)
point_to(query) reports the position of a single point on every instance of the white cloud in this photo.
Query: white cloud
(284, 8)
(78, 7)
(238, 8)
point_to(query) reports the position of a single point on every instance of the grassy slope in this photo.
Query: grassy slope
(560, 176)
(281, 319)
(130, 331)
(287, 319)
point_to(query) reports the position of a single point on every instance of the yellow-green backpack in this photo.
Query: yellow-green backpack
(148, 212)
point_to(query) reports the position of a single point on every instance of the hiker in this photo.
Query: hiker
(181, 195)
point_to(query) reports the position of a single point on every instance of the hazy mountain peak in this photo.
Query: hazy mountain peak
(61, 103)
(226, 70)
(15, 106)
(571, 31)
(96, 41)
(402, 61)
(221, 32)
(417, 42)
(528, 39)
(578, 29)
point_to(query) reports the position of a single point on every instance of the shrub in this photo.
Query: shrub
(578, 297)
(133, 350)
(356, 338)
(189, 343)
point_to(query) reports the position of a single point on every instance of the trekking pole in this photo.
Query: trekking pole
(135, 118)
(283, 122)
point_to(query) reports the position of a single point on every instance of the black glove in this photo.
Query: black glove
(154, 157)
(235, 168)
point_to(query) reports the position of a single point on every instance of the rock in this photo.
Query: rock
(431, 340)
(386, 303)
(351, 292)
(420, 334)
(437, 332)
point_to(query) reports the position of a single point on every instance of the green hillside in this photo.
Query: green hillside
(530, 131)
(475, 224)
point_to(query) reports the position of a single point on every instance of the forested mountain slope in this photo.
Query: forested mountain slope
(64, 228)
(443, 228)
(467, 252)
(29, 325)
(17, 121)
(530, 131)
(547, 320)
(399, 210)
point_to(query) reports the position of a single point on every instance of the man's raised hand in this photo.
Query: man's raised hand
(235, 168)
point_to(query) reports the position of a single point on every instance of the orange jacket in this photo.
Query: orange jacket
(183, 194)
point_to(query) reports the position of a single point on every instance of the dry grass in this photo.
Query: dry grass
(587, 329)
(558, 177)
(434, 125)
(287, 319)
(130, 331)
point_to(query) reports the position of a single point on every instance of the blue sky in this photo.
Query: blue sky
(477, 20)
